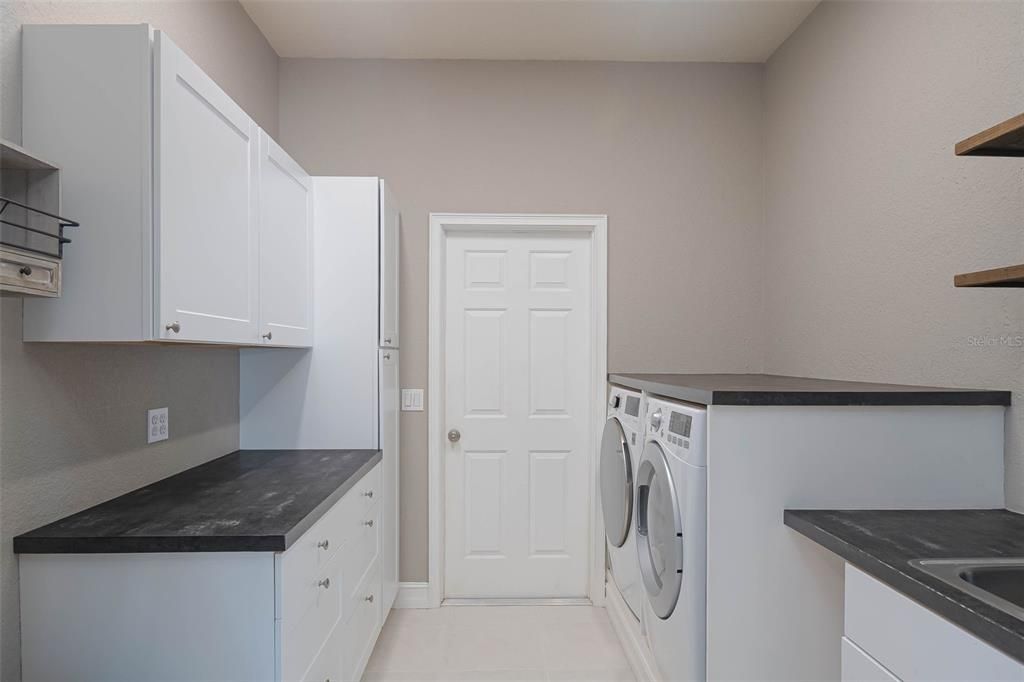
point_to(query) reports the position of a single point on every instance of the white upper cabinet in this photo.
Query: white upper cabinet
(171, 182)
(390, 222)
(206, 206)
(286, 248)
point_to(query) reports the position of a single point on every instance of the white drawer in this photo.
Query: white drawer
(857, 666)
(361, 629)
(357, 559)
(22, 273)
(302, 637)
(305, 562)
(914, 643)
(327, 666)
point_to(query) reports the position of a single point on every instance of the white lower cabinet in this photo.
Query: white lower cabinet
(312, 612)
(888, 636)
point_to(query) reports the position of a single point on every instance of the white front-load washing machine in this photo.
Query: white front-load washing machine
(671, 537)
(621, 443)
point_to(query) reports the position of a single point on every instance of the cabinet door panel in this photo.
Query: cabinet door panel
(389, 413)
(390, 222)
(286, 242)
(205, 191)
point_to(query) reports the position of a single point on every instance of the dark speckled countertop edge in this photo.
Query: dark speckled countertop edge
(907, 396)
(958, 607)
(29, 543)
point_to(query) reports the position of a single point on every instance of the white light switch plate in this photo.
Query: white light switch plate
(158, 425)
(412, 400)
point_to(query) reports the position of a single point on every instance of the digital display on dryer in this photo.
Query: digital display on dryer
(633, 406)
(679, 424)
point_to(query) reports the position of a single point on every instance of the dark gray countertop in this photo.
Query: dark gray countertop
(882, 544)
(247, 501)
(770, 389)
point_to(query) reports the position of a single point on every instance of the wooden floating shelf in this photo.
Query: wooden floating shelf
(1004, 139)
(1010, 276)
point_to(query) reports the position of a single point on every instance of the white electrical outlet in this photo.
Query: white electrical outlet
(412, 400)
(158, 425)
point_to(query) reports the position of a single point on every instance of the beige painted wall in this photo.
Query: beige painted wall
(97, 450)
(868, 212)
(671, 152)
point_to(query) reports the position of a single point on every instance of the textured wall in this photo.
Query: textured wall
(72, 416)
(868, 212)
(671, 152)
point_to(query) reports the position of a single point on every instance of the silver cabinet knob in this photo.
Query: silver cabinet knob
(173, 327)
(387, 356)
(387, 341)
(368, 524)
(325, 583)
(369, 598)
(268, 336)
(656, 419)
(368, 493)
(454, 436)
(323, 544)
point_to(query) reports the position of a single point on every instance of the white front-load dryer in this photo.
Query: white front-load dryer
(621, 443)
(671, 537)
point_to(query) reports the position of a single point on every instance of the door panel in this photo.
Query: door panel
(389, 445)
(206, 227)
(286, 248)
(390, 224)
(518, 310)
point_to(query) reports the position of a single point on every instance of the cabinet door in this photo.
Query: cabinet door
(286, 248)
(857, 666)
(390, 221)
(389, 406)
(206, 242)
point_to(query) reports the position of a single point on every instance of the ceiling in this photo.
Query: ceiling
(614, 30)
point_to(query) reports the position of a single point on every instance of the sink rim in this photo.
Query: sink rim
(949, 570)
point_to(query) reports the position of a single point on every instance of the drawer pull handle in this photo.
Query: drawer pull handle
(25, 271)
(323, 544)
(368, 493)
(369, 599)
(325, 583)
(173, 327)
(368, 524)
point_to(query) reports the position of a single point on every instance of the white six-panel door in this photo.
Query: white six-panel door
(517, 356)
(206, 206)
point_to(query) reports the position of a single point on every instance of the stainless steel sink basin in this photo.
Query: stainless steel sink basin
(997, 582)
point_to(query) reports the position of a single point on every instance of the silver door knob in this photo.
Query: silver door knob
(173, 327)
(268, 336)
(325, 583)
(323, 544)
(454, 436)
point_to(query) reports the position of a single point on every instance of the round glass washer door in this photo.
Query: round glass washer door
(616, 483)
(659, 531)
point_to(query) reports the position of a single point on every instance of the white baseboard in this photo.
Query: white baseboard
(626, 626)
(413, 596)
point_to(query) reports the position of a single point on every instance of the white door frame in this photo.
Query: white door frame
(441, 224)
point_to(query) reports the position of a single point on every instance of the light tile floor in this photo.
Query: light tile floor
(503, 643)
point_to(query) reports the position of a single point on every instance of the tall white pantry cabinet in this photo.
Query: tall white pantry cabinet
(197, 227)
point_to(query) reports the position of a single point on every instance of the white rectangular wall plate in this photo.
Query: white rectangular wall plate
(158, 425)
(412, 400)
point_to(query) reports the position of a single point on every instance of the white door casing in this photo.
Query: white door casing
(517, 366)
(205, 206)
